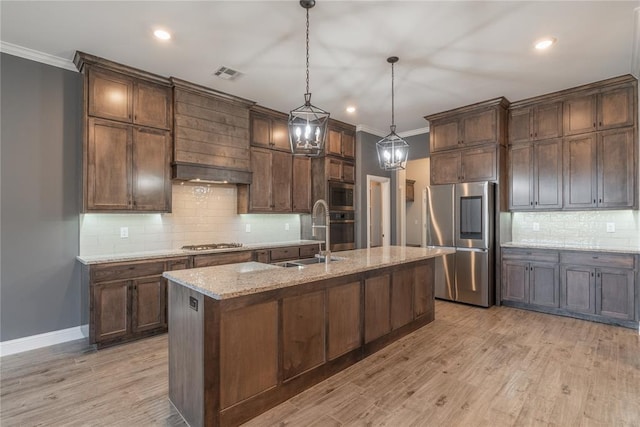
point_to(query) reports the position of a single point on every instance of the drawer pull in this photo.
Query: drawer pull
(595, 257)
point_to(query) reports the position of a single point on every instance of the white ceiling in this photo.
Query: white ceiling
(452, 53)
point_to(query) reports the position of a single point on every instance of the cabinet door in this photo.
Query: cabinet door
(110, 311)
(547, 174)
(334, 169)
(260, 131)
(520, 125)
(108, 166)
(402, 298)
(577, 288)
(480, 128)
(148, 304)
(348, 145)
(303, 333)
(151, 170)
(280, 135)
(615, 293)
(376, 307)
(423, 298)
(515, 280)
(579, 159)
(152, 105)
(547, 121)
(521, 176)
(615, 108)
(479, 164)
(444, 135)
(260, 190)
(343, 316)
(334, 142)
(301, 185)
(110, 95)
(579, 115)
(445, 168)
(544, 284)
(348, 172)
(281, 170)
(616, 168)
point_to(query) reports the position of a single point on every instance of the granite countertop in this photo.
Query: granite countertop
(574, 247)
(235, 280)
(141, 256)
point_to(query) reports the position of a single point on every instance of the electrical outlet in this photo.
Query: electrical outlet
(611, 227)
(247, 228)
(124, 232)
(536, 226)
(286, 226)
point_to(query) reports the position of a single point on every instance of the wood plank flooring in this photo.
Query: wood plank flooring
(470, 367)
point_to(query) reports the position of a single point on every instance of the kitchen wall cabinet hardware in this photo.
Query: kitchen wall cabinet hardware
(531, 277)
(469, 165)
(118, 97)
(599, 170)
(477, 124)
(211, 137)
(535, 122)
(341, 142)
(601, 287)
(269, 129)
(535, 171)
(601, 108)
(410, 191)
(127, 148)
(127, 168)
(208, 260)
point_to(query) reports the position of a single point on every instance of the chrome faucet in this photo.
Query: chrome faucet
(327, 243)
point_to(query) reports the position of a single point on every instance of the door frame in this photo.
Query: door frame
(386, 208)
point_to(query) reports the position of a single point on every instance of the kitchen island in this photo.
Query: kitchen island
(245, 337)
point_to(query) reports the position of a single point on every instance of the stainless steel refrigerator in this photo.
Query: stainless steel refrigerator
(460, 216)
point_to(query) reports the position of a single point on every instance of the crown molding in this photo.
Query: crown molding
(380, 133)
(37, 56)
(635, 50)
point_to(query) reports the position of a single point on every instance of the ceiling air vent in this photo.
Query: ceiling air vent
(227, 73)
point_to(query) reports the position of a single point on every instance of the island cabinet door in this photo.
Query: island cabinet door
(248, 352)
(377, 303)
(402, 298)
(423, 298)
(303, 333)
(343, 316)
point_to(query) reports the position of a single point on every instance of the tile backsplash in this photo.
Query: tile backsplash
(200, 214)
(578, 228)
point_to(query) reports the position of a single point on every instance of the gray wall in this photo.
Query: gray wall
(40, 188)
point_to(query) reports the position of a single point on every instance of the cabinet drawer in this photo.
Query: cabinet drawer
(283, 254)
(221, 259)
(592, 259)
(308, 251)
(530, 255)
(179, 264)
(108, 272)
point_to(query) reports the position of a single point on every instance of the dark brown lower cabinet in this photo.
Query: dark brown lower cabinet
(148, 304)
(594, 286)
(110, 311)
(245, 355)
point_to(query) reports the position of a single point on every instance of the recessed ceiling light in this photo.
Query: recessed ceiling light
(162, 34)
(545, 43)
(351, 109)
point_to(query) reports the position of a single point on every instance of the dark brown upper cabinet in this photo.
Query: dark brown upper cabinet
(269, 129)
(602, 108)
(340, 142)
(472, 165)
(537, 122)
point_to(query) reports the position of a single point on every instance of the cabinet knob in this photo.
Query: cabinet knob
(536, 203)
(599, 200)
(594, 201)
(594, 125)
(531, 203)
(591, 274)
(600, 124)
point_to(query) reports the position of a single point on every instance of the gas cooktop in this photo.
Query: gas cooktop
(209, 246)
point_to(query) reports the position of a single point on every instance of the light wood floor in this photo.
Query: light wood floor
(471, 367)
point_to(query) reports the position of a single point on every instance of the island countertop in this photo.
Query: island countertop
(235, 280)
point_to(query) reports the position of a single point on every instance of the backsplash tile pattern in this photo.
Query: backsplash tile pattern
(201, 214)
(578, 228)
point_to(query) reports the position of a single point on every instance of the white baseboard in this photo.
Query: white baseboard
(42, 340)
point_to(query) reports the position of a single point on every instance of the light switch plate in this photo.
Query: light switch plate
(247, 228)
(536, 226)
(124, 232)
(611, 227)
(286, 226)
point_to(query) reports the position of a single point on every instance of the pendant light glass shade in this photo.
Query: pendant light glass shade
(393, 151)
(307, 123)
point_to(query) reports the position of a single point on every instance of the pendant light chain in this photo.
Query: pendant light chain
(393, 120)
(307, 50)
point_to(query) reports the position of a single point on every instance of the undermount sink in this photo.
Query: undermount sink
(307, 261)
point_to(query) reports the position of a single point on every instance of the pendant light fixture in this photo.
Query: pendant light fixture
(307, 123)
(393, 151)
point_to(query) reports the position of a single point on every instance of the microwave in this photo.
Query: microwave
(340, 196)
